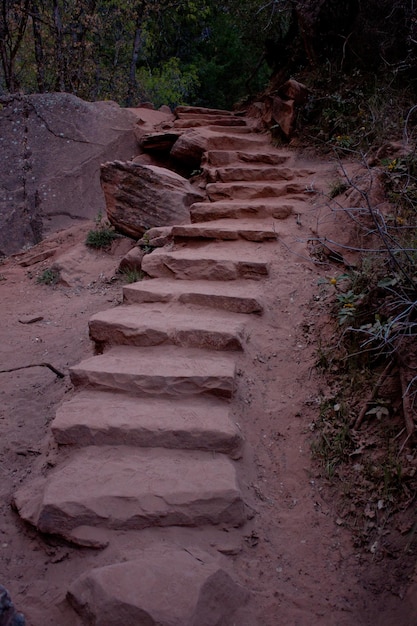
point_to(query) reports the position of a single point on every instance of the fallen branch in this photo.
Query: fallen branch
(374, 394)
(23, 367)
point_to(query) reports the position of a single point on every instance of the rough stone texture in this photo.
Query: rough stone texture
(139, 197)
(8, 614)
(153, 325)
(220, 158)
(248, 173)
(189, 148)
(227, 230)
(132, 261)
(238, 298)
(100, 487)
(237, 209)
(52, 146)
(253, 190)
(208, 263)
(164, 586)
(162, 371)
(99, 418)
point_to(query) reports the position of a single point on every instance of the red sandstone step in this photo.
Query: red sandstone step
(183, 110)
(249, 173)
(234, 141)
(104, 488)
(103, 418)
(228, 230)
(278, 208)
(238, 298)
(157, 371)
(207, 120)
(221, 158)
(212, 261)
(253, 190)
(156, 324)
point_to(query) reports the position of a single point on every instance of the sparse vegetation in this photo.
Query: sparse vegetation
(365, 435)
(131, 275)
(102, 235)
(50, 276)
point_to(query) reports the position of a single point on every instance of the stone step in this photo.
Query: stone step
(221, 158)
(213, 261)
(100, 487)
(156, 324)
(238, 209)
(229, 141)
(253, 190)
(227, 230)
(207, 120)
(157, 371)
(230, 130)
(182, 111)
(253, 173)
(97, 418)
(238, 298)
(247, 173)
(160, 584)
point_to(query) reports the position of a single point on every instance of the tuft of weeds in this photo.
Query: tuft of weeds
(131, 275)
(49, 276)
(102, 235)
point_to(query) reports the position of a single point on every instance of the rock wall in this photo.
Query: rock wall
(52, 146)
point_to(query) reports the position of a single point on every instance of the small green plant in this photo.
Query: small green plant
(102, 235)
(49, 276)
(337, 188)
(131, 275)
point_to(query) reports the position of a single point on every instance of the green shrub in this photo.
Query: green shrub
(102, 235)
(49, 276)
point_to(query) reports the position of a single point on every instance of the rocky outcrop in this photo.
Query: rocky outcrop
(52, 146)
(173, 587)
(8, 614)
(139, 197)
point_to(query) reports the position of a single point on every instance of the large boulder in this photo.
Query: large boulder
(165, 586)
(52, 146)
(139, 197)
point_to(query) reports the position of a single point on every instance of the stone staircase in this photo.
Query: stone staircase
(147, 439)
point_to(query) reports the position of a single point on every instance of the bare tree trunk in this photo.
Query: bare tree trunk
(11, 40)
(137, 45)
(59, 47)
(37, 38)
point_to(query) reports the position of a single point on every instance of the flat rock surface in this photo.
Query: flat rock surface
(174, 372)
(98, 418)
(253, 190)
(250, 230)
(52, 145)
(277, 208)
(235, 297)
(192, 591)
(150, 325)
(212, 261)
(100, 487)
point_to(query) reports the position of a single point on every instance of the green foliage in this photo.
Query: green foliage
(102, 235)
(131, 275)
(49, 276)
(169, 84)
